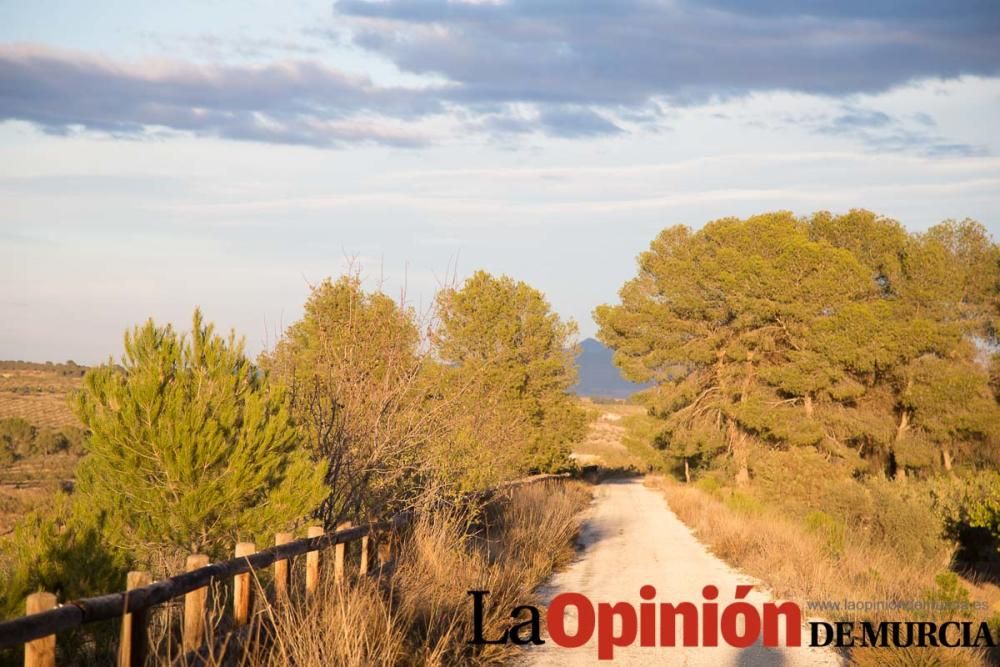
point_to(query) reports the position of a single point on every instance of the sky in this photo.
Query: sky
(155, 157)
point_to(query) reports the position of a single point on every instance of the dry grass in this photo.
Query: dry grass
(801, 565)
(421, 613)
(16, 502)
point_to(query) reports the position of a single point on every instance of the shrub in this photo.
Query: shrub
(60, 550)
(710, 485)
(49, 441)
(18, 435)
(422, 616)
(743, 504)
(75, 440)
(7, 453)
(831, 530)
(905, 520)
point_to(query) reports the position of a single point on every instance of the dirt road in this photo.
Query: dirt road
(630, 539)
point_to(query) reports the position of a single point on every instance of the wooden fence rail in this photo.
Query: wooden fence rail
(44, 619)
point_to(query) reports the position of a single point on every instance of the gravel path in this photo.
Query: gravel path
(632, 538)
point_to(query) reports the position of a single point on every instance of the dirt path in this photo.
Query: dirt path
(630, 539)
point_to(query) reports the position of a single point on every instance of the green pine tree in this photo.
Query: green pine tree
(842, 333)
(190, 448)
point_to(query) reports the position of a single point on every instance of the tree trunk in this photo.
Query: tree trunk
(904, 425)
(738, 445)
(745, 389)
(687, 471)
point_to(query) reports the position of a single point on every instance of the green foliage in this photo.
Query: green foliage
(982, 507)
(710, 485)
(17, 436)
(832, 531)
(50, 441)
(20, 439)
(902, 517)
(60, 550)
(75, 439)
(504, 333)
(190, 448)
(949, 594)
(742, 503)
(844, 334)
(640, 435)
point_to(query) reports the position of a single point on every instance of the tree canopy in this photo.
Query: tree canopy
(353, 371)
(844, 333)
(190, 448)
(504, 333)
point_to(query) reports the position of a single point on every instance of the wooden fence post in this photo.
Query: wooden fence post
(363, 569)
(194, 608)
(133, 646)
(281, 569)
(340, 550)
(42, 651)
(241, 587)
(312, 563)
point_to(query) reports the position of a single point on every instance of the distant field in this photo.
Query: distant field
(40, 394)
(610, 442)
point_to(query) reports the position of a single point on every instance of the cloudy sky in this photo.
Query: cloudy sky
(158, 156)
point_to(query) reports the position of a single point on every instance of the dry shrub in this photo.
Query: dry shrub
(798, 564)
(421, 614)
(348, 625)
(916, 657)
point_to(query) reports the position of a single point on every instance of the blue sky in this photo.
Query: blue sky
(157, 156)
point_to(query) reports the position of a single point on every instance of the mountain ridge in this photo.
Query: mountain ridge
(598, 375)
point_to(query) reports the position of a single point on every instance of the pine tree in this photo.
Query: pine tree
(840, 333)
(504, 333)
(190, 448)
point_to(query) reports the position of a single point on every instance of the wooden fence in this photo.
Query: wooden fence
(45, 618)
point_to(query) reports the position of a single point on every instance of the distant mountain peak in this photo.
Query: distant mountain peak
(598, 375)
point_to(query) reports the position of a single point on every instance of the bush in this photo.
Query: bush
(831, 530)
(801, 481)
(18, 435)
(50, 442)
(7, 454)
(743, 504)
(75, 440)
(905, 520)
(60, 550)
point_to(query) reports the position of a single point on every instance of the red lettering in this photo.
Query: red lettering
(606, 637)
(556, 618)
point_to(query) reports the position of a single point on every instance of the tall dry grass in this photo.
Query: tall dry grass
(420, 612)
(800, 564)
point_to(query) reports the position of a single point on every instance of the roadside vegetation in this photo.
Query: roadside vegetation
(837, 414)
(364, 407)
(422, 614)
